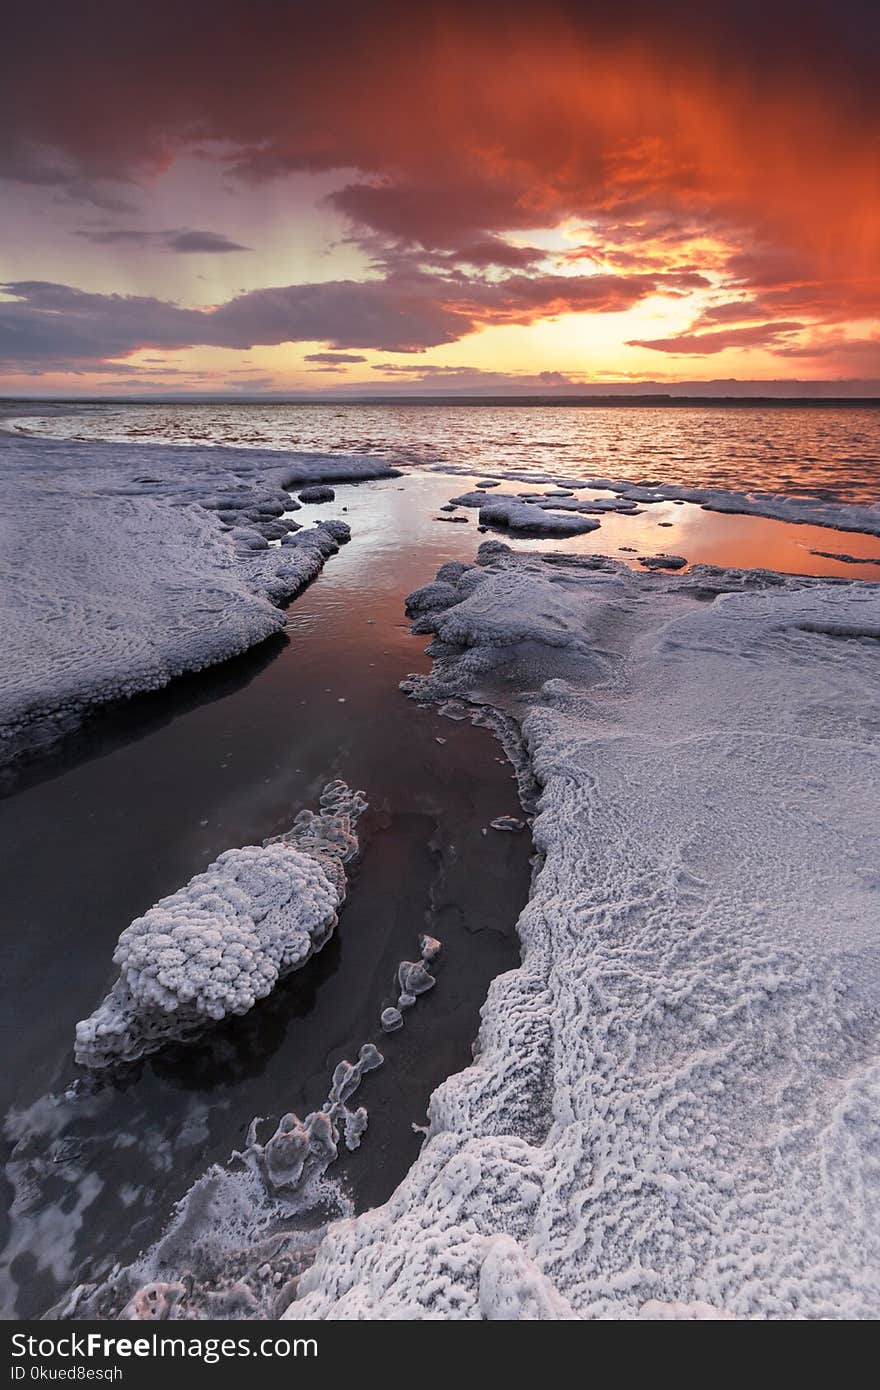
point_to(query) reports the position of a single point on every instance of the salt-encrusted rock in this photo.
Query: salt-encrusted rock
(355, 1128)
(154, 1302)
(318, 493)
(414, 978)
(249, 537)
(221, 943)
(347, 1076)
(663, 562)
(339, 530)
(451, 571)
(432, 598)
(530, 518)
(303, 1149)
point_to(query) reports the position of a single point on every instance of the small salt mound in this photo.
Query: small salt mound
(414, 977)
(663, 562)
(221, 943)
(517, 515)
(318, 493)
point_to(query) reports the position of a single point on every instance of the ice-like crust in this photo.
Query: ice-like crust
(674, 1103)
(840, 516)
(558, 500)
(124, 566)
(221, 943)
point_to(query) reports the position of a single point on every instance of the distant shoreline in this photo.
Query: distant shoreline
(667, 401)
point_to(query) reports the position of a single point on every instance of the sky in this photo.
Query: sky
(235, 199)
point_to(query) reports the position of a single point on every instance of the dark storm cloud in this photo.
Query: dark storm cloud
(400, 313)
(332, 359)
(451, 125)
(182, 240)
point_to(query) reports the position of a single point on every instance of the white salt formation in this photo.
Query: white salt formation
(630, 495)
(124, 567)
(221, 943)
(413, 978)
(531, 518)
(675, 1098)
(300, 1149)
(236, 1246)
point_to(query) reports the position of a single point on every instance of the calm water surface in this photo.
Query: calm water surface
(815, 452)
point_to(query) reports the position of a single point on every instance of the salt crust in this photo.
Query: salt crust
(674, 1104)
(124, 566)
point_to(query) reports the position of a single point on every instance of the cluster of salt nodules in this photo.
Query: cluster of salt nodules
(414, 978)
(304, 1149)
(222, 942)
(231, 1250)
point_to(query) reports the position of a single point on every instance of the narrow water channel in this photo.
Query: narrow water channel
(146, 796)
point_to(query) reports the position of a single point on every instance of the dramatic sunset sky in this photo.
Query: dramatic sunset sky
(278, 197)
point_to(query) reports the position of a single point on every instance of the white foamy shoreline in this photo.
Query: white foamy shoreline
(672, 1108)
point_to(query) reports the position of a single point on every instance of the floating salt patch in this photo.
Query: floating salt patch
(429, 947)
(509, 823)
(391, 1020)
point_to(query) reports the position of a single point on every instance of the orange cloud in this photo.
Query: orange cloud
(717, 147)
